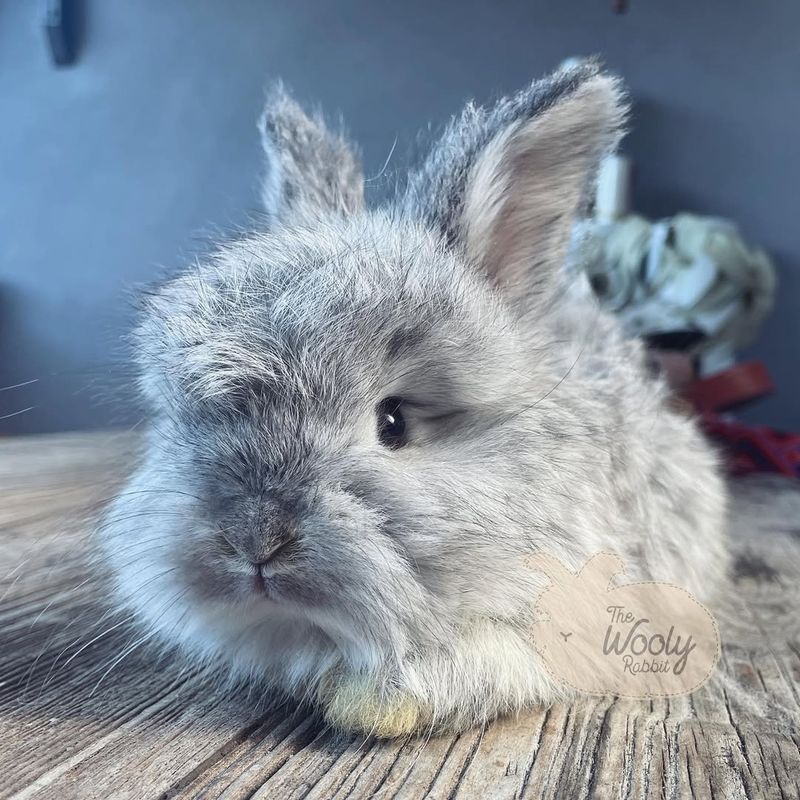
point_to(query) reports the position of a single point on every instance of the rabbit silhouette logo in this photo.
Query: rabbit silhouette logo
(642, 640)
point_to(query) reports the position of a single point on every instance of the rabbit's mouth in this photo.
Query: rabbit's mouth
(284, 577)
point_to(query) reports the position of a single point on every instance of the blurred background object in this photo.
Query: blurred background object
(696, 293)
(62, 27)
(121, 166)
(688, 284)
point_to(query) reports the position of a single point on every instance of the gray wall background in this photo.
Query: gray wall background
(118, 169)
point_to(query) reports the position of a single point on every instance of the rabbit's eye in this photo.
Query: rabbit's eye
(391, 423)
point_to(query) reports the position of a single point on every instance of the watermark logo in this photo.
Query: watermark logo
(601, 636)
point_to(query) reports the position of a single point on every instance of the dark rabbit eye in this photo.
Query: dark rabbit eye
(391, 423)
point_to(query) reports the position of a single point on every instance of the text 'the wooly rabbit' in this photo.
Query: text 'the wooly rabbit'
(363, 422)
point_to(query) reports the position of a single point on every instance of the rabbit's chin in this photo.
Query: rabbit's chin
(252, 636)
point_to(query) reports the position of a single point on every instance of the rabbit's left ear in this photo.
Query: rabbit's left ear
(505, 183)
(311, 171)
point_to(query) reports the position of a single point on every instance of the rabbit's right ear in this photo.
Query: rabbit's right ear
(504, 184)
(311, 171)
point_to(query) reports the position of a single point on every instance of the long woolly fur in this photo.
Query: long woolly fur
(401, 602)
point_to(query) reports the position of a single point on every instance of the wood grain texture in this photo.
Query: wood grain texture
(85, 713)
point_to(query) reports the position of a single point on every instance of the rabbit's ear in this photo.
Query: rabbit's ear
(504, 184)
(310, 170)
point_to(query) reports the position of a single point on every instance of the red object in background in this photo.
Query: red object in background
(734, 386)
(748, 448)
(754, 448)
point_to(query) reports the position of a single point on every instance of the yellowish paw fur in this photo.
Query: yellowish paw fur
(358, 705)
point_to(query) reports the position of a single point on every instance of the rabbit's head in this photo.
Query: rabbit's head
(341, 405)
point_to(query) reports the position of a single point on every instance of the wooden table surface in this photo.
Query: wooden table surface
(82, 717)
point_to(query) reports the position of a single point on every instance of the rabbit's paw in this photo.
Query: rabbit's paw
(359, 703)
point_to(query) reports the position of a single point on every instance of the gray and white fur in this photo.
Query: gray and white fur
(392, 589)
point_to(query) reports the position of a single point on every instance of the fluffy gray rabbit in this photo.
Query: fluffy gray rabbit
(362, 422)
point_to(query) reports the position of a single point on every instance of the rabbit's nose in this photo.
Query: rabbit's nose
(264, 562)
(273, 550)
(279, 536)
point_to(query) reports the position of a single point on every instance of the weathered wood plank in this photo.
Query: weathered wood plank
(76, 724)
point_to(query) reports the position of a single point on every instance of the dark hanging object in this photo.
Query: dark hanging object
(61, 25)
